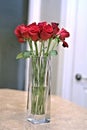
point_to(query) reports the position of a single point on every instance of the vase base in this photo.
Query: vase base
(38, 121)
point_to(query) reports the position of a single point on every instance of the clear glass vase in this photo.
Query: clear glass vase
(38, 103)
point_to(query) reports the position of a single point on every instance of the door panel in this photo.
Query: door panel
(12, 13)
(79, 90)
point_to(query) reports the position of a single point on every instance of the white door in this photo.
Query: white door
(79, 87)
(75, 57)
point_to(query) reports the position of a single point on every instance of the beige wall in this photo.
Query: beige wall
(50, 10)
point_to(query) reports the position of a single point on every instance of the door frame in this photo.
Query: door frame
(70, 21)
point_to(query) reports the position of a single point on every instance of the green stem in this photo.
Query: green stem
(41, 48)
(38, 100)
(48, 46)
(35, 43)
(53, 46)
(57, 40)
(30, 44)
(38, 88)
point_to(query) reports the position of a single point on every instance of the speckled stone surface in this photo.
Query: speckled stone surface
(64, 114)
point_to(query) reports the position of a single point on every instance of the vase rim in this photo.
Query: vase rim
(40, 56)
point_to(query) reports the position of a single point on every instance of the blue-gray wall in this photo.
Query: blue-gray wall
(12, 13)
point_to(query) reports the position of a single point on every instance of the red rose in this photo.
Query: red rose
(21, 40)
(33, 31)
(63, 34)
(46, 32)
(55, 28)
(21, 32)
(41, 25)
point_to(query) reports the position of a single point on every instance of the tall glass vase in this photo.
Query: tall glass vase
(38, 103)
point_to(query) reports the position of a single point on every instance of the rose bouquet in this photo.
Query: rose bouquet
(43, 39)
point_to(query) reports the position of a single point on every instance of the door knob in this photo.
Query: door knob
(79, 77)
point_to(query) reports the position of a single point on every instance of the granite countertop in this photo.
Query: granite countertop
(64, 114)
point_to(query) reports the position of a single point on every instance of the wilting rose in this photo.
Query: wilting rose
(65, 44)
(63, 34)
(46, 32)
(33, 31)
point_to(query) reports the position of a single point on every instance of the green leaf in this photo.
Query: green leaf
(25, 54)
(53, 52)
(19, 56)
(57, 39)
